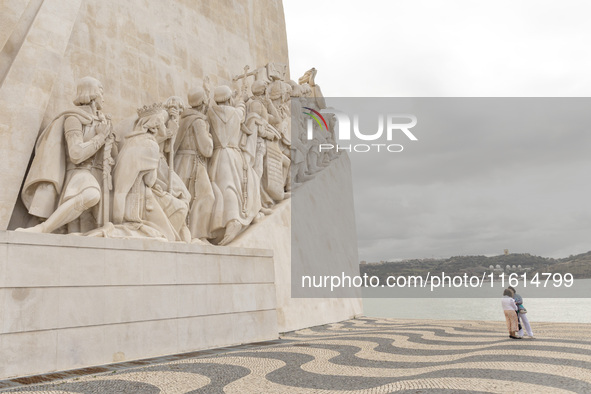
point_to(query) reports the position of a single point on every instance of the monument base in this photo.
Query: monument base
(328, 219)
(69, 302)
(72, 301)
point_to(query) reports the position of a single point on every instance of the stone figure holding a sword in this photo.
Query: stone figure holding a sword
(69, 179)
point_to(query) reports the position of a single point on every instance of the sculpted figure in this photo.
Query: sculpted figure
(299, 149)
(141, 204)
(280, 110)
(258, 132)
(309, 78)
(193, 147)
(257, 128)
(316, 100)
(332, 153)
(65, 184)
(314, 159)
(237, 198)
(175, 201)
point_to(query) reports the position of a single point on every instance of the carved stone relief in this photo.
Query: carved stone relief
(200, 173)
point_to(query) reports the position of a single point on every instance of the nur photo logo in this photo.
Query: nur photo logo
(388, 126)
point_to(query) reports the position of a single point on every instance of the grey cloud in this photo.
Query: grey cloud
(482, 177)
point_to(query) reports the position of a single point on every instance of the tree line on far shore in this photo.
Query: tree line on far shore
(578, 265)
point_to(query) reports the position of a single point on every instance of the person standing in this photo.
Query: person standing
(510, 308)
(522, 314)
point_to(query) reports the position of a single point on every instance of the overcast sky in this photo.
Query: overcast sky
(483, 187)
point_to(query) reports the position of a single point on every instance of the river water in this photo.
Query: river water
(574, 310)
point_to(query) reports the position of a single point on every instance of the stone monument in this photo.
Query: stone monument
(146, 226)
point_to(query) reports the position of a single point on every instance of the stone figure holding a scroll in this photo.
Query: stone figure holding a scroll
(66, 182)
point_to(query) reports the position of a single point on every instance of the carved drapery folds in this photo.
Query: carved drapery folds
(201, 172)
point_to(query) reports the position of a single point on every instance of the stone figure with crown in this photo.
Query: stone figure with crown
(143, 206)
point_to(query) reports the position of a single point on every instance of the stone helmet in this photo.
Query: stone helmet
(222, 93)
(196, 97)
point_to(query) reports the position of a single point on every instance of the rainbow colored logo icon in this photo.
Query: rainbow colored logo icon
(315, 116)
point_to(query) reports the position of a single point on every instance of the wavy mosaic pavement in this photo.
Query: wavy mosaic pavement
(371, 356)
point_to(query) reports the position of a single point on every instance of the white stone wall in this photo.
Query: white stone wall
(330, 221)
(69, 302)
(145, 51)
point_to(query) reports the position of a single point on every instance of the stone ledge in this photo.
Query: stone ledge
(78, 242)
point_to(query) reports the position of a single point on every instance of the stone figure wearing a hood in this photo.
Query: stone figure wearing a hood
(193, 147)
(237, 194)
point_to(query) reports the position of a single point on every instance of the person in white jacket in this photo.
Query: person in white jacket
(521, 314)
(510, 308)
